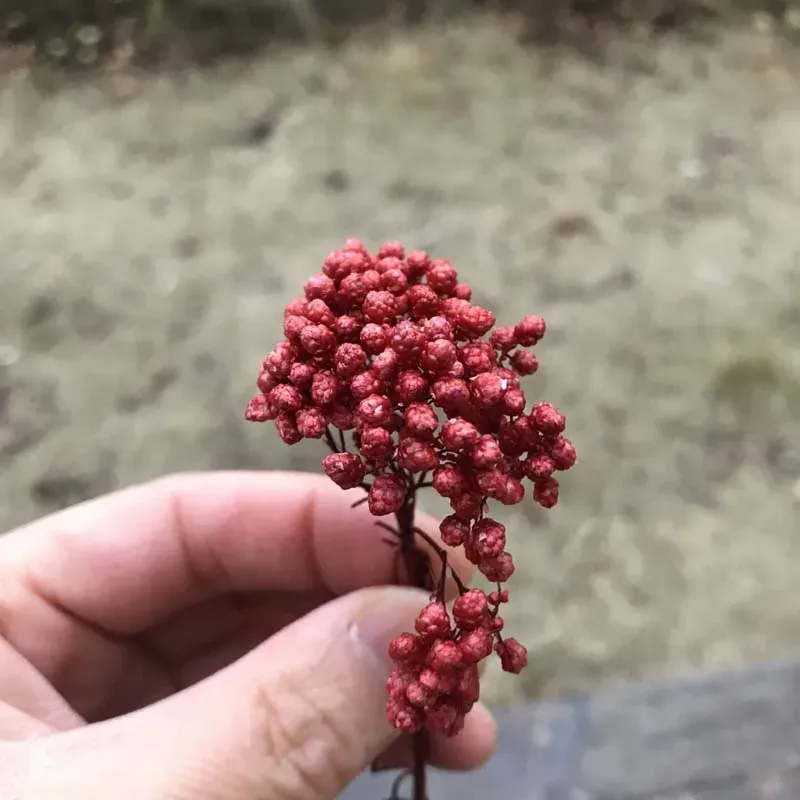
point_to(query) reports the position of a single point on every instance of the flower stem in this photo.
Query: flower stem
(418, 572)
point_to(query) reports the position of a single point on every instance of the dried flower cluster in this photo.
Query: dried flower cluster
(389, 347)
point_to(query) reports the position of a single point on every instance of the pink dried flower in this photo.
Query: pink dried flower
(376, 443)
(489, 538)
(471, 609)
(476, 645)
(433, 620)
(454, 531)
(513, 655)
(374, 410)
(411, 386)
(421, 420)
(547, 419)
(387, 495)
(390, 349)
(524, 362)
(344, 469)
(545, 492)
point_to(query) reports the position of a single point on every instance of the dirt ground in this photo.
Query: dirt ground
(646, 203)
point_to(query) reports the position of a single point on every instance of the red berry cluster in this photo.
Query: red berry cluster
(389, 347)
(435, 680)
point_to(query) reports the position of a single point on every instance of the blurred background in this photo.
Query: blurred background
(172, 170)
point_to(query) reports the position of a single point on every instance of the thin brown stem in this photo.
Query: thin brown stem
(420, 772)
(443, 555)
(418, 570)
(330, 441)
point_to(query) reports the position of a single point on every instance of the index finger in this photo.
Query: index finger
(129, 560)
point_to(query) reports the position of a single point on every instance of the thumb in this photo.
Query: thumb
(295, 719)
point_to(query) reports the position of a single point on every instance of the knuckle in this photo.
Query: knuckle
(311, 750)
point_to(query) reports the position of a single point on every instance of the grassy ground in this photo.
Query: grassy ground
(645, 201)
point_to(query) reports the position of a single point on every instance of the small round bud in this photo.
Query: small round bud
(393, 279)
(320, 287)
(392, 249)
(365, 384)
(420, 420)
(475, 645)
(458, 434)
(467, 506)
(311, 423)
(417, 263)
(436, 328)
(471, 609)
(498, 570)
(346, 328)
(488, 389)
(286, 398)
(513, 655)
(444, 654)
(485, 453)
(325, 388)
(450, 481)
(474, 320)
(538, 466)
(280, 360)
(444, 718)
(524, 362)
(374, 337)
(317, 339)
(547, 419)
(301, 375)
(346, 470)
(424, 301)
(259, 409)
(563, 453)
(411, 386)
(433, 620)
(408, 340)
(453, 531)
(489, 538)
(503, 339)
(349, 359)
(451, 393)
(386, 495)
(287, 428)
(379, 307)
(403, 716)
(376, 444)
(545, 492)
(477, 358)
(373, 411)
(405, 648)
(530, 330)
(416, 456)
(514, 402)
(319, 313)
(438, 356)
(442, 276)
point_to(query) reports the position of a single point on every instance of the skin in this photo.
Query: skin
(216, 636)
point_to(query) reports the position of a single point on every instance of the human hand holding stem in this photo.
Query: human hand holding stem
(377, 346)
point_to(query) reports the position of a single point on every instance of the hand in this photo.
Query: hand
(204, 636)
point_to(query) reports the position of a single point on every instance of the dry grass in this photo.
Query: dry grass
(647, 207)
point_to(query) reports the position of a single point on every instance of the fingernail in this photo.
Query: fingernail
(385, 613)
